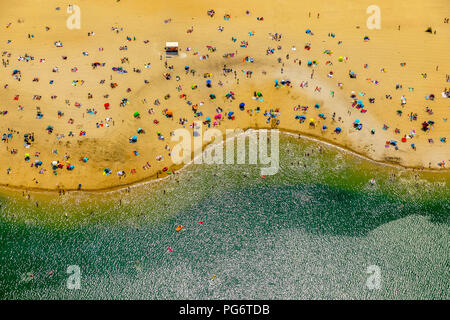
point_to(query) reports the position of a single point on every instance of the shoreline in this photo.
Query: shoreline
(175, 169)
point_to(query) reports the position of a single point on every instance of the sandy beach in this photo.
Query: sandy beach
(68, 108)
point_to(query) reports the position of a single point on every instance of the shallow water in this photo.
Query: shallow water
(308, 232)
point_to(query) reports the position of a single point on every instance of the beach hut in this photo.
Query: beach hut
(172, 48)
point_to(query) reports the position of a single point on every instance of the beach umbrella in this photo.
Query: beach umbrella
(169, 113)
(340, 59)
(136, 114)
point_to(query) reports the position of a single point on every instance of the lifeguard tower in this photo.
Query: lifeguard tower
(171, 48)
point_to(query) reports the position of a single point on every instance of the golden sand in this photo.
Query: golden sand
(401, 39)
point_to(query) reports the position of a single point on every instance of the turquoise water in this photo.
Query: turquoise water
(309, 232)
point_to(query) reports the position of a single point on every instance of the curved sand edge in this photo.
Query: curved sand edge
(175, 169)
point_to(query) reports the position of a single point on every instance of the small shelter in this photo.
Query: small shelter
(172, 48)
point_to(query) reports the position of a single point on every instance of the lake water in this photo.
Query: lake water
(309, 232)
